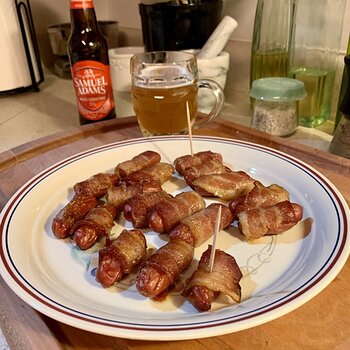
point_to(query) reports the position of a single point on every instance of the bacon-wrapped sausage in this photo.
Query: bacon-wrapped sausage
(226, 186)
(209, 167)
(141, 161)
(74, 211)
(162, 269)
(259, 197)
(119, 258)
(255, 223)
(97, 223)
(187, 161)
(201, 225)
(159, 172)
(204, 286)
(117, 196)
(138, 208)
(97, 185)
(167, 213)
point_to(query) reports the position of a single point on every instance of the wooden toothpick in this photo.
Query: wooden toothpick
(213, 247)
(189, 127)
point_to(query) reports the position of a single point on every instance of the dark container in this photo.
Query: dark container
(168, 26)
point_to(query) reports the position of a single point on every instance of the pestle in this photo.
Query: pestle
(218, 39)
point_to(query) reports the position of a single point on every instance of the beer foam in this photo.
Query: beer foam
(164, 76)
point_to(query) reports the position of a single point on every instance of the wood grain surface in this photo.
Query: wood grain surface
(321, 323)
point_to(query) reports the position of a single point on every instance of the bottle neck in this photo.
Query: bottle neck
(82, 14)
(344, 106)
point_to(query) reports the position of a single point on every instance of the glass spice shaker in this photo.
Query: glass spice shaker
(276, 104)
(340, 144)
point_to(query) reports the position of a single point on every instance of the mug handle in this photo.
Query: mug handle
(219, 101)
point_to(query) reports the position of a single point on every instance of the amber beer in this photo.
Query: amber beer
(164, 86)
(88, 54)
(162, 111)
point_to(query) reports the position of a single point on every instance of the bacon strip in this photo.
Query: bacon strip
(117, 196)
(259, 197)
(137, 163)
(138, 208)
(159, 172)
(201, 225)
(204, 286)
(97, 185)
(74, 211)
(98, 222)
(226, 186)
(119, 258)
(255, 223)
(167, 214)
(187, 161)
(209, 167)
(162, 269)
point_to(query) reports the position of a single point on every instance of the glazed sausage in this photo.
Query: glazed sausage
(201, 225)
(121, 257)
(97, 185)
(259, 197)
(255, 223)
(167, 213)
(74, 211)
(137, 163)
(204, 286)
(137, 208)
(97, 223)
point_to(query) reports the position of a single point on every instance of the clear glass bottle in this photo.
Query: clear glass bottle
(276, 104)
(315, 46)
(271, 38)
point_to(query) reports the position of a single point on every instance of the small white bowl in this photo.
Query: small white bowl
(119, 60)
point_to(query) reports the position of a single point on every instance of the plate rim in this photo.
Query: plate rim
(168, 333)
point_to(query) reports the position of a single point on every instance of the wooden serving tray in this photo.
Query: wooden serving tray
(322, 323)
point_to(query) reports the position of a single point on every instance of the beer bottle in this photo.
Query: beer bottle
(88, 55)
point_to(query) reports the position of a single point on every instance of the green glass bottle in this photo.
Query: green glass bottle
(344, 84)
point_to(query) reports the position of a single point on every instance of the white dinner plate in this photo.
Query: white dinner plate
(280, 273)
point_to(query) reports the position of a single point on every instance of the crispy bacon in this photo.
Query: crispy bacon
(162, 269)
(141, 161)
(119, 258)
(187, 161)
(97, 185)
(97, 223)
(226, 186)
(255, 223)
(259, 197)
(167, 213)
(74, 211)
(159, 172)
(209, 167)
(117, 196)
(201, 225)
(138, 208)
(204, 286)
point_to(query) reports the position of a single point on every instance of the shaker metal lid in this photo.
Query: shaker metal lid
(278, 89)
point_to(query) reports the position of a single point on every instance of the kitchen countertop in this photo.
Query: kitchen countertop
(31, 115)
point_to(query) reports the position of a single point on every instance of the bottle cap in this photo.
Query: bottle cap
(278, 89)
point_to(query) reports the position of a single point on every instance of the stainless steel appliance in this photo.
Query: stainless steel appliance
(20, 65)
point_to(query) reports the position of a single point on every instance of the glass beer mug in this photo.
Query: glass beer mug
(164, 88)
